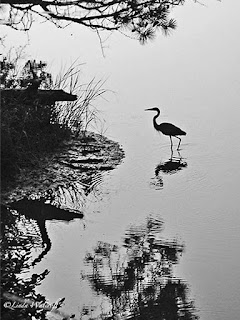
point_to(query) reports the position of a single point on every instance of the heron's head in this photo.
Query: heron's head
(153, 109)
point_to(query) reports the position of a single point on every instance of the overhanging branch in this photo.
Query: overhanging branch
(142, 17)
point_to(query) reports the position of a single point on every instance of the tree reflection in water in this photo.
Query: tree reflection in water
(16, 251)
(40, 211)
(137, 278)
(19, 297)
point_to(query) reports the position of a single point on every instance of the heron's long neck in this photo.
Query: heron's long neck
(155, 120)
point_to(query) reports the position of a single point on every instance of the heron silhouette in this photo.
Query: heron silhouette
(166, 128)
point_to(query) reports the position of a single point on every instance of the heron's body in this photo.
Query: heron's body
(166, 128)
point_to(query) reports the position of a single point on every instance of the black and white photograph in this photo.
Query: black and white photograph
(120, 159)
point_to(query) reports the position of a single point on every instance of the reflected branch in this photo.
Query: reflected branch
(40, 211)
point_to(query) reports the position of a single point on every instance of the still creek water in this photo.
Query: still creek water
(154, 231)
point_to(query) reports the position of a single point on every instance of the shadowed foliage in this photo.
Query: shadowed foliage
(37, 115)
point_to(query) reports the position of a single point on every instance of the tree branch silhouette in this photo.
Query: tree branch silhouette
(143, 18)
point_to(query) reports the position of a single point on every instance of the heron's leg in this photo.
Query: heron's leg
(171, 141)
(179, 156)
(179, 143)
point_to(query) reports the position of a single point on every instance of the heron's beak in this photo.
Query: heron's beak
(147, 109)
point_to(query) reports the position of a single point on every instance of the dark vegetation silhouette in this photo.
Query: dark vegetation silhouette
(137, 277)
(141, 18)
(166, 128)
(33, 124)
(28, 127)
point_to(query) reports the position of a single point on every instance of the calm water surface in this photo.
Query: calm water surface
(197, 204)
(192, 210)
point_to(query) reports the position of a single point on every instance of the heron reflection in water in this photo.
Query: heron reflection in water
(166, 128)
(172, 165)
